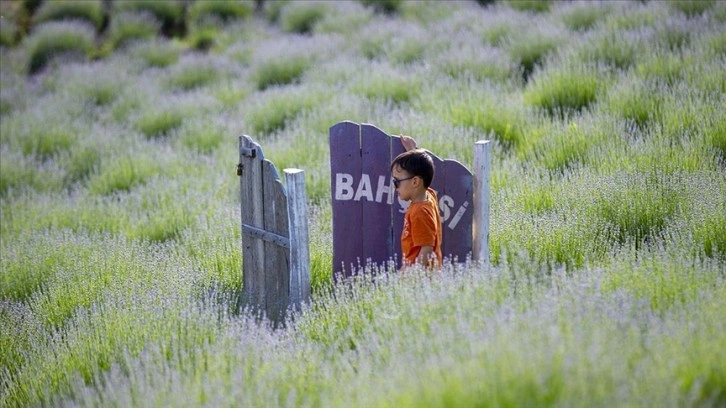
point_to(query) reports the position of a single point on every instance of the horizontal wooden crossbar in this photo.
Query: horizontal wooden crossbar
(266, 235)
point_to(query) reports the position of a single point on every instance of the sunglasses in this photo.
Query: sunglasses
(397, 182)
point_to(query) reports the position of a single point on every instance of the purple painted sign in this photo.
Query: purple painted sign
(367, 214)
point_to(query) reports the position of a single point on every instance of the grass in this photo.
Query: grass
(636, 102)
(280, 71)
(158, 53)
(121, 274)
(584, 17)
(563, 92)
(277, 108)
(122, 174)
(159, 123)
(53, 39)
(127, 27)
(8, 32)
(169, 13)
(87, 10)
(302, 17)
(530, 50)
(220, 9)
(191, 76)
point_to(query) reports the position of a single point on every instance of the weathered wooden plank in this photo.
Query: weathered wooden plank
(252, 214)
(345, 171)
(376, 194)
(398, 210)
(277, 266)
(299, 246)
(455, 202)
(266, 236)
(482, 166)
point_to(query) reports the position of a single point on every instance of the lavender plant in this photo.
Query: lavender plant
(121, 268)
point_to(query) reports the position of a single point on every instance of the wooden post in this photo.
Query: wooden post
(252, 205)
(299, 247)
(482, 165)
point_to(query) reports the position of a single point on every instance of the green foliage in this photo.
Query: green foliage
(636, 101)
(169, 13)
(280, 71)
(203, 39)
(191, 76)
(504, 120)
(663, 281)
(158, 54)
(531, 50)
(535, 6)
(406, 50)
(563, 91)
(88, 10)
(19, 173)
(691, 8)
(52, 39)
(274, 8)
(583, 17)
(155, 123)
(131, 26)
(122, 174)
(301, 17)
(610, 49)
(638, 207)
(202, 135)
(81, 163)
(276, 109)
(563, 147)
(224, 10)
(669, 68)
(633, 17)
(8, 32)
(497, 33)
(394, 88)
(384, 6)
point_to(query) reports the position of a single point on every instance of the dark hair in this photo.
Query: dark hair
(417, 162)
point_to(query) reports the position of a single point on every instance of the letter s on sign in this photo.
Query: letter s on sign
(343, 186)
(445, 205)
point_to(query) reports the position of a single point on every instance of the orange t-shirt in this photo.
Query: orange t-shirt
(422, 227)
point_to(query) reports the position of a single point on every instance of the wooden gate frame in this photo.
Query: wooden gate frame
(365, 226)
(275, 252)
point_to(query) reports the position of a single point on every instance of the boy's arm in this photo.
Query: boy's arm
(425, 256)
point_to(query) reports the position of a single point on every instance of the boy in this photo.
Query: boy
(412, 173)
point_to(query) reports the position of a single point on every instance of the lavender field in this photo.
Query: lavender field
(120, 240)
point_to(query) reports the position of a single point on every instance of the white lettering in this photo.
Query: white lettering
(343, 186)
(445, 205)
(364, 189)
(458, 215)
(383, 189)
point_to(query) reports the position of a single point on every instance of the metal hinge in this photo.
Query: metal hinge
(247, 152)
(239, 169)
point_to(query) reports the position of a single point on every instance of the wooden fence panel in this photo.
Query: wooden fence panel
(346, 170)
(373, 192)
(252, 209)
(455, 202)
(367, 221)
(276, 259)
(277, 268)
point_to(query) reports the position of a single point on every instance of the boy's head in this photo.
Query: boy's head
(415, 167)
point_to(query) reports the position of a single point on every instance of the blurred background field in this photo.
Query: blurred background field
(120, 268)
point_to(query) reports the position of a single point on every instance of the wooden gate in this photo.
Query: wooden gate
(275, 253)
(367, 214)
